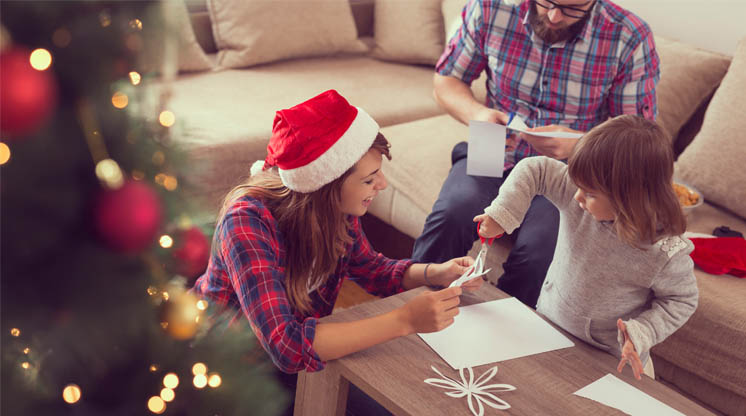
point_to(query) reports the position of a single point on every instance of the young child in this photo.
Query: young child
(621, 278)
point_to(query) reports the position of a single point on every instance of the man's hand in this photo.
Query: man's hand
(553, 147)
(491, 115)
(629, 355)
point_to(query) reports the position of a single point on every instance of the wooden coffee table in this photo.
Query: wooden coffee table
(392, 373)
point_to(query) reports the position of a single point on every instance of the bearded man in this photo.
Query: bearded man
(560, 65)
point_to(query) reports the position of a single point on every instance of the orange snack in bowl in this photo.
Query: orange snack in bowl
(687, 197)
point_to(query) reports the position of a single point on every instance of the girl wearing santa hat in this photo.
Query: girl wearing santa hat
(289, 236)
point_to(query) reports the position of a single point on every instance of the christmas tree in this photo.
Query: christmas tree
(101, 237)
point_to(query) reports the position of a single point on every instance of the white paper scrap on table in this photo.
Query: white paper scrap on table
(486, 154)
(615, 393)
(494, 331)
(517, 124)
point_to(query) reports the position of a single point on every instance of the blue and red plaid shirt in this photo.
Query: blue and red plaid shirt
(246, 272)
(610, 68)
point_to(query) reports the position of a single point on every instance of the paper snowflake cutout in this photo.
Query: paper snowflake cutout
(475, 390)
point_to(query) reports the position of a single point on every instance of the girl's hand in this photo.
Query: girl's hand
(430, 311)
(629, 355)
(488, 227)
(444, 273)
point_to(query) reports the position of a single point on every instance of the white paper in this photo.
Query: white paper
(486, 154)
(476, 270)
(519, 125)
(615, 393)
(494, 331)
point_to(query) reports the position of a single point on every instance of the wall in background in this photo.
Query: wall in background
(715, 25)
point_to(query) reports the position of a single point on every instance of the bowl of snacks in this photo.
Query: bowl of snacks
(689, 196)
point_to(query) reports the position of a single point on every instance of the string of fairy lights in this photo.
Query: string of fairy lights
(180, 320)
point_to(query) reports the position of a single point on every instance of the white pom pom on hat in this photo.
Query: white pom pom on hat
(315, 142)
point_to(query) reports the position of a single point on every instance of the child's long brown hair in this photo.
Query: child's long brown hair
(313, 226)
(630, 160)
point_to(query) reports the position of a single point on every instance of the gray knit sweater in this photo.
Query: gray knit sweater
(595, 278)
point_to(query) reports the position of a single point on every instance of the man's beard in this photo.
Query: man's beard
(549, 35)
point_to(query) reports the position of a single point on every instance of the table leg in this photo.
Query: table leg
(321, 393)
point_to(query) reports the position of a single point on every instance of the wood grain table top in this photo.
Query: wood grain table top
(393, 374)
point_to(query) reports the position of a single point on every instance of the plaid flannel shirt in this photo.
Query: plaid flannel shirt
(610, 68)
(246, 272)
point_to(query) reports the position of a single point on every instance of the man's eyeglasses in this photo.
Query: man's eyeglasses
(569, 11)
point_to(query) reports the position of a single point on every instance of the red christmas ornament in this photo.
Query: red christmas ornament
(27, 96)
(128, 218)
(191, 253)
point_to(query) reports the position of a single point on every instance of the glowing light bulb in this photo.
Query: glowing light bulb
(200, 381)
(15, 332)
(167, 394)
(136, 24)
(202, 305)
(25, 365)
(214, 380)
(4, 153)
(166, 241)
(167, 118)
(170, 183)
(199, 368)
(171, 380)
(109, 172)
(156, 405)
(135, 77)
(119, 100)
(71, 393)
(40, 59)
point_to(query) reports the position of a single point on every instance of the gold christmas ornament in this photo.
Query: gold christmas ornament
(181, 315)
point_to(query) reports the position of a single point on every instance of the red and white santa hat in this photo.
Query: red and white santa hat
(315, 142)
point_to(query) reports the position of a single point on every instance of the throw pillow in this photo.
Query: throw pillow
(170, 45)
(714, 161)
(252, 32)
(192, 57)
(408, 31)
(688, 76)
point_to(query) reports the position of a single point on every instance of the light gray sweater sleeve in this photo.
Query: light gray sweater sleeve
(532, 176)
(676, 298)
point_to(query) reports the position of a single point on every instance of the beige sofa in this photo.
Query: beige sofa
(227, 117)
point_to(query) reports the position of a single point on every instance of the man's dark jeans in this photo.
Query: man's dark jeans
(449, 231)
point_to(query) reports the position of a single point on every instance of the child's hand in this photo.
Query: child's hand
(629, 355)
(489, 228)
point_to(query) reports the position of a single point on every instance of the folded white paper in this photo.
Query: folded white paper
(519, 125)
(486, 154)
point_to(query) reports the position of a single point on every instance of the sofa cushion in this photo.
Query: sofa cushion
(688, 77)
(408, 31)
(421, 152)
(251, 32)
(226, 117)
(714, 161)
(714, 338)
